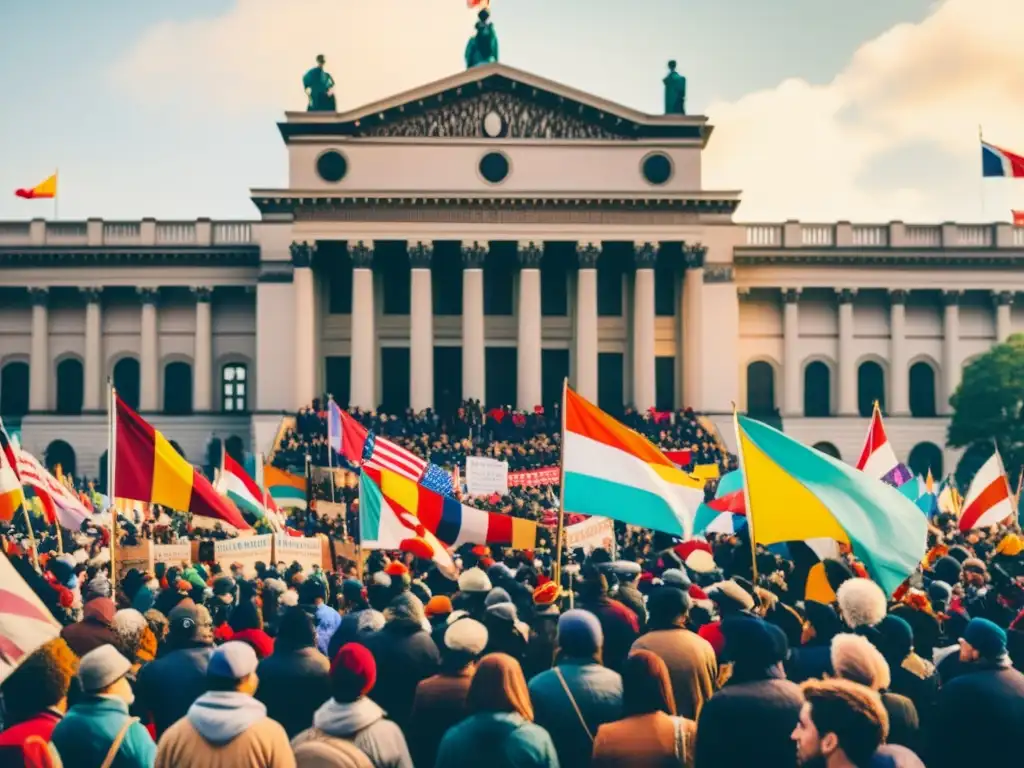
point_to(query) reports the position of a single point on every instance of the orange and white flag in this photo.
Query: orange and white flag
(988, 500)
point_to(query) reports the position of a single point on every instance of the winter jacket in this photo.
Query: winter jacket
(440, 703)
(167, 687)
(644, 741)
(27, 743)
(87, 732)
(405, 655)
(497, 740)
(598, 694)
(540, 650)
(293, 685)
(361, 723)
(327, 621)
(225, 728)
(691, 665)
(620, 628)
(354, 626)
(94, 628)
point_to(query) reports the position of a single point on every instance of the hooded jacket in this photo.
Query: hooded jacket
(362, 724)
(225, 728)
(94, 629)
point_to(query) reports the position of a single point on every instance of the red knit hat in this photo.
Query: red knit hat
(396, 568)
(353, 672)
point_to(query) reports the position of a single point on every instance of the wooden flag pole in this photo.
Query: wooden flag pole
(111, 474)
(560, 528)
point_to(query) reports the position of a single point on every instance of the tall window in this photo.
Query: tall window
(14, 389)
(817, 390)
(922, 390)
(870, 388)
(126, 381)
(760, 389)
(235, 388)
(178, 388)
(69, 386)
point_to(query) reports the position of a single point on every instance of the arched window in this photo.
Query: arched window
(234, 388)
(829, 450)
(760, 389)
(177, 388)
(126, 381)
(14, 389)
(817, 390)
(870, 387)
(69, 386)
(60, 454)
(924, 457)
(922, 390)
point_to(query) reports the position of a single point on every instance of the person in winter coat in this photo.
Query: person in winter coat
(813, 659)
(979, 709)
(690, 659)
(35, 698)
(732, 602)
(313, 597)
(543, 642)
(352, 718)
(437, 610)
(167, 687)
(99, 727)
(440, 700)
(578, 695)
(499, 730)
(94, 629)
(757, 695)
(649, 735)
(296, 678)
(627, 593)
(912, 676)
(359, 619)
(619, 625)
(226, 725)
(405, 655)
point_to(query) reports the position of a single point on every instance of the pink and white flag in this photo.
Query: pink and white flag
(878, 459)
(69, 508)
(25, 623)
(988, 500)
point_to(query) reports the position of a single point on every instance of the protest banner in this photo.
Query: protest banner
(591, 534)
(530, 478)
(138, 556)
(173, 554)
(307, 552)
(245, 551)
(485, 476)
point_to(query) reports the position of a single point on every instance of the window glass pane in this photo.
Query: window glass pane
(240, 390)
(229, 373)
(229, 390)
(240, 375)
(228, 405)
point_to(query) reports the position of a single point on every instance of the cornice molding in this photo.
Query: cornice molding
(106, 256)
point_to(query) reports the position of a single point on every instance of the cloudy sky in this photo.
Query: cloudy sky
(866, 110)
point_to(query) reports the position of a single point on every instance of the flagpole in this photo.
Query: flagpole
(560, 528)
(111, 474)
(981, 183)
(746, 494)
(56, 191)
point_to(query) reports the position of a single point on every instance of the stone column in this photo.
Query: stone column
(92, 370)
(305, 322)
(950, 352)
(421, 328)
(474, 375)
(363, 362)
(202, 369)
(1004, 302)
(692, 314)
(847, 362)
(792, 404)
(587, 255)
(899, 372)
(528, 380)
(149, 352)
(39, 361)
(645, 255)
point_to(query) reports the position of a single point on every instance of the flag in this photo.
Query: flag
(988, 500)
(453, 523)
(382, 527)
(481, 4)
(58, 502)
(948, 499)
(996, 162)
(44, 189)
(809, 580)
(729, 494)
(877, 458)
(438, 480)
(681, 459)
(148, 468)
(381, 453)
(11, 494)
(25, 623)
(286, 489)
(708, 520)
(795, 493)
(1018, 218)
(346, 435)
(235, 483)
(611, 471)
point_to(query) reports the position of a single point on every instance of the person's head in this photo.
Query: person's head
(353, 594)
(821, 623)
(405, 608)
(580, 635)
(464, 641)
(41, 681)
(499, 686)
(668, 608)
(295, 630)
(353, 673)
(232, 667)
(855, 658)
(672, 65)
(983, 640)
(320, 60)
(246, 615)
(896, 638)
(103, 672)
(646, 685)
(129, 626)
(189, 624)
(840, 720)
(754, 646)
(862, 603)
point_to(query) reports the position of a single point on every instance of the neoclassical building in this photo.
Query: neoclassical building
(485, 236)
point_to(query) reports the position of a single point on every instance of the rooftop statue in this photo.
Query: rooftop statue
(675, 91)
(482, 48)
(319, 87)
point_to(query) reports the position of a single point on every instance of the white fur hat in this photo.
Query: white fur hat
(732, 593)
(466, 635)
(289, 598)
(855, 658)
(474, 580)
(862, 603)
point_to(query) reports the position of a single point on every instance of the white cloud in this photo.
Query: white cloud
(832, 151)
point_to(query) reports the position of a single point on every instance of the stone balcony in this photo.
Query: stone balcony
(145, 233)
(796, 235)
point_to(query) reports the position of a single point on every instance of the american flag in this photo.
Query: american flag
(69, 508)
(381, 453)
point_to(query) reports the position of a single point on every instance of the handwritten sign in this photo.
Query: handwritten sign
(307, 552)
(485, 476)
(592, 533)
(246, 551)
(138, 556)
(173, 554)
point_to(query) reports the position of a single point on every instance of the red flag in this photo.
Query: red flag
(1018, 218)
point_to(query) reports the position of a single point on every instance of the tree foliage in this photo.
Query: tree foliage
(989, 406)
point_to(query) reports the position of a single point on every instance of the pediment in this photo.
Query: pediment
(493, 102)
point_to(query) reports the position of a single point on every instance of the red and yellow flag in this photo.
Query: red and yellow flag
(44, 189)
(149, 469)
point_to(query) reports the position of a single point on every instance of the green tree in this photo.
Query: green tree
(988, 407)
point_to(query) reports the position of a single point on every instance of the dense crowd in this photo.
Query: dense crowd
(673, 653)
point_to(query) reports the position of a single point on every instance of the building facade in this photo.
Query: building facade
(483, 237)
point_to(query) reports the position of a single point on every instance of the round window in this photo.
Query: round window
(332, 166)
(494, 167)
(657, 168)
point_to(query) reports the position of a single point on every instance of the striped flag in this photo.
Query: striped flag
(25, 623)
(988, 500)
(877, 458)
(381, 453)
(11, 494)
(235, 483)
(57, 500)
(285, 489)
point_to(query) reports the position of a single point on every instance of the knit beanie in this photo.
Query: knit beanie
(353, 672)
(474, 580)
(896, 638)
(438, 605)
(940, 593)
(986, 637)
(496, 596)
(579, 633)
(753, 643)
(947, 569)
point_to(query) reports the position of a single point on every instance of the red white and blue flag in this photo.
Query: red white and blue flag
(998, 162)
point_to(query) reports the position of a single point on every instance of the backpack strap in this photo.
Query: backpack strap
(575, 706)
(116, 746)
